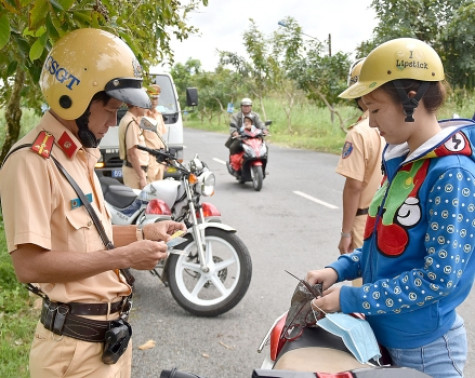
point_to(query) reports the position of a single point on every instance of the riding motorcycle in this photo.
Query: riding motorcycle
(250, 164)
(210, 271)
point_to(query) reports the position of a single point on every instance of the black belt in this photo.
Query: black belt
(97, 308)
(128, 164)
(362, 211)
(59, 318)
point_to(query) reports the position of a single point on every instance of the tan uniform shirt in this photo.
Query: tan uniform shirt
(361, 160)
(40, 207)
(130, 134)
(155, 170)
(134, 136)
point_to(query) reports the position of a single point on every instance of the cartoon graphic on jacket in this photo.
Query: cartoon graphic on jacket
(430, 193)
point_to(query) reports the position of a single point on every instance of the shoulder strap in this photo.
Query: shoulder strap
(15, 149)
(86, 204)
(125, 137)
(100, 228)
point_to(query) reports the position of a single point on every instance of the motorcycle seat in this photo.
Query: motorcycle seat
(115, 193)
(313, 359)
(316, 350)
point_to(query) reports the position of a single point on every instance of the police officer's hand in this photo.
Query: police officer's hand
(142, 182)
(161, 231)
(346, 245)
(145, 254)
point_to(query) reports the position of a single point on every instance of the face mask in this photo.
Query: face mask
(356, 334)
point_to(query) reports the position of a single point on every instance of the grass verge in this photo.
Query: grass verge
(18, 317)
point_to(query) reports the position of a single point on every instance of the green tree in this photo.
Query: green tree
(289, 48)
(447, 25)
(261, 73)
(457, 42)
(183, 77)
(318, 74)
(28, 28)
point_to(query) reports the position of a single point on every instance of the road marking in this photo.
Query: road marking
(301, 194)
(219, 161)
(316, 200)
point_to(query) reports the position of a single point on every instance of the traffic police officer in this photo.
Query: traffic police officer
(360, 164)
(50, 235)
(154, 139)
(135, 161)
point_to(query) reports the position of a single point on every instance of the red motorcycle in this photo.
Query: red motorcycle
(300, 347)
(250, 164)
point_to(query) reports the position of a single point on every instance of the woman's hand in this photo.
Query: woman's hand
(327, 277)
(329, 302)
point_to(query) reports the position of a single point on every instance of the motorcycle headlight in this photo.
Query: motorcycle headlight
(205, 185)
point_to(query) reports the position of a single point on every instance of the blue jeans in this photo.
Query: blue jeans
(444, 357)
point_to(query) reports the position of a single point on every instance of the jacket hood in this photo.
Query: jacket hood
(457, 137)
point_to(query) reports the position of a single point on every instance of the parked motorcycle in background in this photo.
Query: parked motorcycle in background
(250, 164)
(210, 271)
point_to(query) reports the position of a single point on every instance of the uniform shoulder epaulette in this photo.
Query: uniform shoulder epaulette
(43, 144)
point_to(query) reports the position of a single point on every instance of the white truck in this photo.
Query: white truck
(110, 163)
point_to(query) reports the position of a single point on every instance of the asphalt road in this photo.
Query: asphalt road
(292, 224)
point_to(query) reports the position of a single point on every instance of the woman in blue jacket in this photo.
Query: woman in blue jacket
(420, 234)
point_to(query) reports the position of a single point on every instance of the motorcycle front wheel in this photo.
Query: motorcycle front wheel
(257, 175)
(221, 288)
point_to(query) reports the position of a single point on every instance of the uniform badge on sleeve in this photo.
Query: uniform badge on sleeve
(347, 149)
(43, 144)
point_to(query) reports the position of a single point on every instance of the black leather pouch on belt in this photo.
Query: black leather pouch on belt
(116, 341)
(58, 319)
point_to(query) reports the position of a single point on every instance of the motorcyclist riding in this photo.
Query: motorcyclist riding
(237, 121)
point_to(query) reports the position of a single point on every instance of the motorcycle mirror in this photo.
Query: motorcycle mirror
(172, 152)
(149, 124)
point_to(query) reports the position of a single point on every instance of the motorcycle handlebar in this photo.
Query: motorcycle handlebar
(161, 155)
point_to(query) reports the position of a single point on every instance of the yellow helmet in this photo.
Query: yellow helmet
(154, 90)
(355, 70)
(402, 58)
(85, 62)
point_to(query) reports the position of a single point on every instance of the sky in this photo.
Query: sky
(223, 22)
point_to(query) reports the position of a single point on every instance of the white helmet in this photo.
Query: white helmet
(246, 102)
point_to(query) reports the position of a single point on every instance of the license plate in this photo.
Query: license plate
(116, 173)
